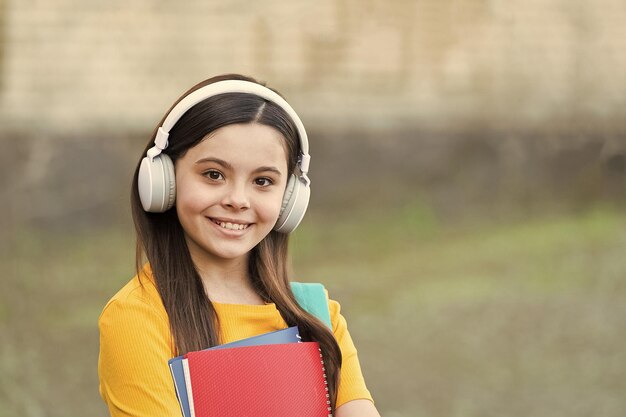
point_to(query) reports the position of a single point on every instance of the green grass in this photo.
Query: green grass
(477, 319)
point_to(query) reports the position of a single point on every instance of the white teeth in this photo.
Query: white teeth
(232, 226)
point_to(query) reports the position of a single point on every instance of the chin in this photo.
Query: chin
(229, 254)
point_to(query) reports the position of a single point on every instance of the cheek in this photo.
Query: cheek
(271, 208)
(188, 199)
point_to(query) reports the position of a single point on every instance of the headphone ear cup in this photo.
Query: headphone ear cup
(157, 184)
(170, 181)
(295, 203)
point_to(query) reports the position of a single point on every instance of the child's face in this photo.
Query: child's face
(229, 190)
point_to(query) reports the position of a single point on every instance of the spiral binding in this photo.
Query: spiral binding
(330, 414)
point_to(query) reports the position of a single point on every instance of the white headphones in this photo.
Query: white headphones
(157, 183)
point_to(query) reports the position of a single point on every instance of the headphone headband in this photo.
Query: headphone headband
(230, 86)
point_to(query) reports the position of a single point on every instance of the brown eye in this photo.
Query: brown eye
(263, 182)
(214, 175)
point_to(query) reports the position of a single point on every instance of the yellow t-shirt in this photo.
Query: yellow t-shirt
(136, 343)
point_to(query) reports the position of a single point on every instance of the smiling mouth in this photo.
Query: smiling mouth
(230, 226)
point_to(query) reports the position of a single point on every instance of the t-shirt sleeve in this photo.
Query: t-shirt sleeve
(351, 384)
(135, 345)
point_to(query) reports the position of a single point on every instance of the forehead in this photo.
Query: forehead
(248, 144)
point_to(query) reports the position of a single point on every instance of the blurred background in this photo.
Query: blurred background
(468, 168)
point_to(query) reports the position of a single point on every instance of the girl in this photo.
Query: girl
(219, 187)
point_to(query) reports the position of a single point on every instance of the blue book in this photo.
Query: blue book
(289, 335)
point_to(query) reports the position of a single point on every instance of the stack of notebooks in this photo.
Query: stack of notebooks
(274, 374)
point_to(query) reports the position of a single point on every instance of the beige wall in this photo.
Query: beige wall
(77, 66)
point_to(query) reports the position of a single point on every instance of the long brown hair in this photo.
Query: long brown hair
(193, 321)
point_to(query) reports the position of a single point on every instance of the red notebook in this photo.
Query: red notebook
(258, 381)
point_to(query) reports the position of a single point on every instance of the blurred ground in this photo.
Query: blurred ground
(517, 319)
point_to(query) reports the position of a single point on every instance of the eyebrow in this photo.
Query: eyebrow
(230, 167)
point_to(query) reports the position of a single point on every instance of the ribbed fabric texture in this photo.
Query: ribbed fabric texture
(136, 343)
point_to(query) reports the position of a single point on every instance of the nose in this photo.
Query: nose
(236, 197)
